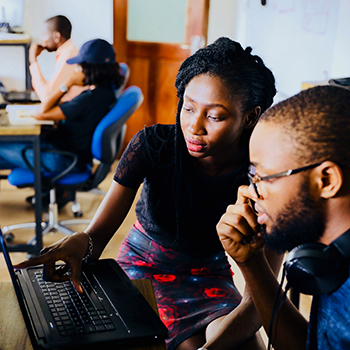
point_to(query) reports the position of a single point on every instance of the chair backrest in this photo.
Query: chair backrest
(125, 71)
(109, 134)
(106, 144)
(104, 140)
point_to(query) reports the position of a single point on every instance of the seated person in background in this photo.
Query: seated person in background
(310, 130)
(78, 118)
(190, 172)
(56, 37)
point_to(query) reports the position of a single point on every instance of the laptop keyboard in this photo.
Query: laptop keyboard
(72, 312)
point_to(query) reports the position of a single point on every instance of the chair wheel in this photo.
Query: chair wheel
(78, 214)
(9, 237)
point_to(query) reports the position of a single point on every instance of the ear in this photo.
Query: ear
(251, 118)
(329, 179)
(56, 36)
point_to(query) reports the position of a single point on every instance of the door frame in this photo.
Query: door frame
(153, 66)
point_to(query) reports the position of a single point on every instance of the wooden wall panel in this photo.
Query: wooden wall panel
(139, 76)
(166, 98)
(153, 66)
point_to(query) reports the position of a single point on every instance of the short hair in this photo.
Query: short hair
(62, 25)
(102, 74)
(318, 121)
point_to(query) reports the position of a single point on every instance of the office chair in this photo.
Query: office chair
(106, 143)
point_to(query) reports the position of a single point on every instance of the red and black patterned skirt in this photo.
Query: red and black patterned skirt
(190, 292)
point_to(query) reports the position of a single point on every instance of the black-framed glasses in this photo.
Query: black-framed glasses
(254, 178)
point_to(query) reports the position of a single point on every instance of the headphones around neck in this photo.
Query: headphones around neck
(316, 268)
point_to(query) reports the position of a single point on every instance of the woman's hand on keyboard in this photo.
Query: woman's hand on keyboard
(71, 249)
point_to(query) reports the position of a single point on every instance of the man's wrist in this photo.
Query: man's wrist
(254, 259)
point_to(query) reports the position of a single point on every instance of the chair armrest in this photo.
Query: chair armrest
(64, 153)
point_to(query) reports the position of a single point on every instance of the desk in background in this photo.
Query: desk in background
(13, 333)
(13, 133)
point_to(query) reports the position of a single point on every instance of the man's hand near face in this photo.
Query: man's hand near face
(239, 233)
(238, 229)
(34, 51)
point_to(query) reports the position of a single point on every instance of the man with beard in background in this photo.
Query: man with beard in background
(309, 134)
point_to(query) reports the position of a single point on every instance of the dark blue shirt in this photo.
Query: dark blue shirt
(83, 114)
(330, 319)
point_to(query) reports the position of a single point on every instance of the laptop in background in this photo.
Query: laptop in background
(21, 97)
(110, 312)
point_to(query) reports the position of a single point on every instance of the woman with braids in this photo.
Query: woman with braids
(190, 173)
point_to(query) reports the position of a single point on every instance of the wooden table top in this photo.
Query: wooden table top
(13, 333)
(20, 129)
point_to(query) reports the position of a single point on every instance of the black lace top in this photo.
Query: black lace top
(149, 159)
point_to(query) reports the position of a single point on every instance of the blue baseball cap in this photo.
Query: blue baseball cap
(97, 51)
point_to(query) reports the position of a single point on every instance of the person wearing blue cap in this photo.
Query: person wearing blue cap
(77, 119)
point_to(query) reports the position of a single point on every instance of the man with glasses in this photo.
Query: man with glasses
(299, 194)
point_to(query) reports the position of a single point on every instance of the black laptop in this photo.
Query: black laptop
(110, 312)
(21, 97)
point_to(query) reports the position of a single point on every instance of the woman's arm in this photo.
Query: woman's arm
(110, 215)
(73, 248)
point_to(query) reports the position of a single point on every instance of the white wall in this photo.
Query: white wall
(90, 20)
(299, 40)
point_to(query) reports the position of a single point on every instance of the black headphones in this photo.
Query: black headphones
(316, 268)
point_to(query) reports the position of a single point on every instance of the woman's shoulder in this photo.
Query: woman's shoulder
(156, 141)
(161, 131)
(158, 135)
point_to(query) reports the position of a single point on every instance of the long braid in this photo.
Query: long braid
(179, 149)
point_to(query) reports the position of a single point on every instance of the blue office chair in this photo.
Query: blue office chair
(106, 144)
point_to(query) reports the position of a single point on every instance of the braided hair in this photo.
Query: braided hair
(245, 76)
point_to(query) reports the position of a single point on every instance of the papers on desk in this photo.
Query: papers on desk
(24, 115)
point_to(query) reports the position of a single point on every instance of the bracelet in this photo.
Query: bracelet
(202, 349)
(90, 248)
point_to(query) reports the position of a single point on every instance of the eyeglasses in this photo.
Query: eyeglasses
(254, 178)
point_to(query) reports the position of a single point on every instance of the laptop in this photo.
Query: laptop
(21, 97)
(111, 311)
